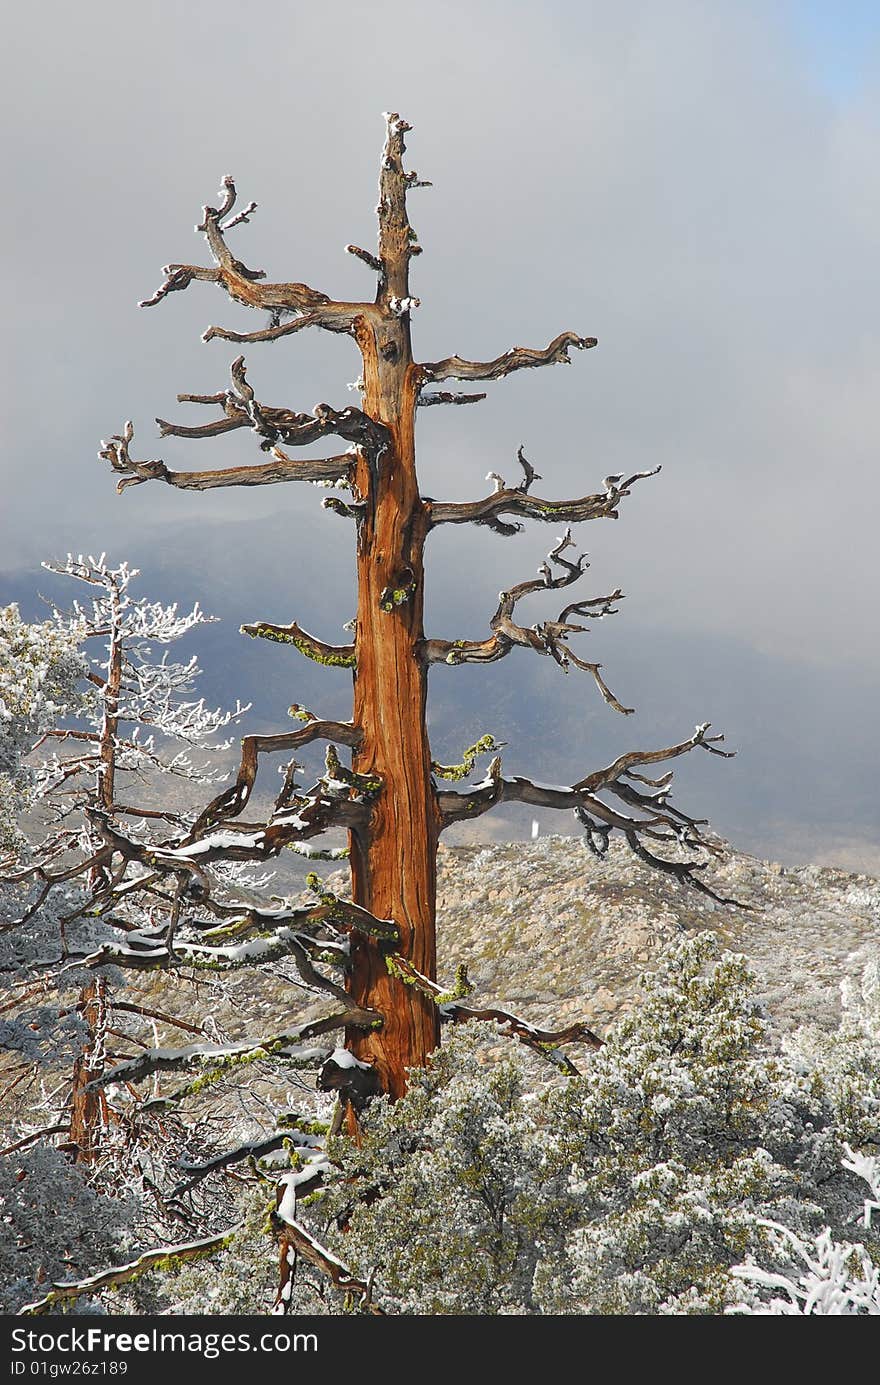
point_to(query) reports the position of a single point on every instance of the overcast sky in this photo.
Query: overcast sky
(696, 184)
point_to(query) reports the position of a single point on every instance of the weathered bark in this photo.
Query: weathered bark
(88, 1106)
(394, 860)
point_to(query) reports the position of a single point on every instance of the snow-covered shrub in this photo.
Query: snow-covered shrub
(40, 672)
(630, 1189)
(848, 1059)
(685, 1131)
(830, 1277)
(448, 1197)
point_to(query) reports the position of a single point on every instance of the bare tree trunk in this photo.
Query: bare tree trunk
(88, 1112)
(394, 862)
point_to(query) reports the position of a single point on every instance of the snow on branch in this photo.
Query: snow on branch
(548, 637)
(154, 954)
(297, 816)
(516, 500)
(251, 1149)
(65, 1291)
(291, 1046)
(296, 1240)
(115, 450)
(243, 285)
(517, 358)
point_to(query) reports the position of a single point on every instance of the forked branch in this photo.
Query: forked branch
(273, 425)
(296, 1240)
(243, 285)
(655, 818)
(548, 637)
(234, 799)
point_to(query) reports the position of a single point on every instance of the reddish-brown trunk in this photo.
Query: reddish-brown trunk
(394, 861)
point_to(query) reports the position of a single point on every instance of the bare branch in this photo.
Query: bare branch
(324, 469)
(242, 410)
(270, 333)
(625, 764)
(331, 655)
(424, 401)
(242, 284)
(545, 1042)
(515, 500)
(656, 820)
(549, 637)
(517, 358)
(370, 260)
(683, 871)
(32, 1138)
(178, 277)
(128, 1007)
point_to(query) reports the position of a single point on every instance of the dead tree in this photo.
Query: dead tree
(391, 797)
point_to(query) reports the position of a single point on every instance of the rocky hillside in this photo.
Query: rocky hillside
(551, 931)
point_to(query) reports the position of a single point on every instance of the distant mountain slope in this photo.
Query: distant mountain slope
(803, 784)
(555, 933)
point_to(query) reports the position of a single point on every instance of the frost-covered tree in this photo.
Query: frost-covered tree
(88, 710)
(141, 720)
(54, 1224)
(849, 1059)
(40, 671)
(686, 1127)
(136, 723)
